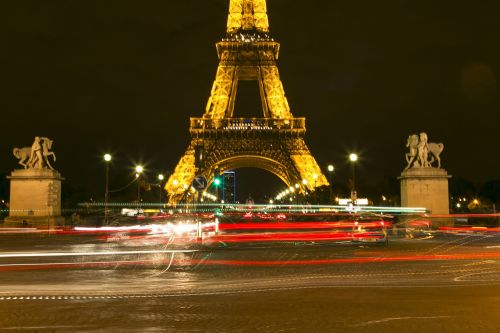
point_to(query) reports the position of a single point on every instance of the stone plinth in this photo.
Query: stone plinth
(425, 187)
(35, 197)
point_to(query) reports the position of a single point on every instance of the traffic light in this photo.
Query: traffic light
(217, 178)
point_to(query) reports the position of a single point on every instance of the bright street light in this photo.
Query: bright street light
(331, 168)
(107, 159)
(160, 178)
(138, 169)
(353, 158)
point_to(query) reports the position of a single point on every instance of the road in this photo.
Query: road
(444, 283)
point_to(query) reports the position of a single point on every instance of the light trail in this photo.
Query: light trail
(274, 225)
(209, 207)
(468, 229)
(77, 265)
(295, 237)
(415, 258)
(255, 263)
(78, 254)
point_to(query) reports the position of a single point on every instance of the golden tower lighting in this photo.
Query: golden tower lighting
(219, 140)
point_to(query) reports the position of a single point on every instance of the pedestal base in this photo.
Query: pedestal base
(35, 199)
(35, 193)
(425, 187)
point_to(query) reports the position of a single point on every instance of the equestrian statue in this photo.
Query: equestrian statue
(36, 156)
(423, 154)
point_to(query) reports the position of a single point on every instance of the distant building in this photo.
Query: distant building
(229, 187)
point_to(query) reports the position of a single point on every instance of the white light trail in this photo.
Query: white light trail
(76, 254)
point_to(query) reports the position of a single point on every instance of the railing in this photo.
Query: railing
(247, 124)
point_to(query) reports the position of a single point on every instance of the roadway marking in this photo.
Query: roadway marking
(296, 279)
(247, 291)
(462, 277)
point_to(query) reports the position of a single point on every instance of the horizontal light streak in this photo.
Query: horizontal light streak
(294, 237)
(78, 254)
(469, 229)
(258, 207)
(258, 263)
(365, 260)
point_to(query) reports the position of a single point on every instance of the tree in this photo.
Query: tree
(490, 191)
(461, 187)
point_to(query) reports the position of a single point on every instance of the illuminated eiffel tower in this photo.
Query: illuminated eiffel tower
(219, 141)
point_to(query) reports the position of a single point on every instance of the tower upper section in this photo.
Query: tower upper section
(246, 16)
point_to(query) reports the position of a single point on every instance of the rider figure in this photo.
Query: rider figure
(36, 157)
(423, 151)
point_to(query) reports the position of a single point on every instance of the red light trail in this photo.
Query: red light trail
(257, 263)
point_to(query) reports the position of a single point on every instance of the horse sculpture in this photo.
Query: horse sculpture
(435, 150)
(24, 154)
(46, 146)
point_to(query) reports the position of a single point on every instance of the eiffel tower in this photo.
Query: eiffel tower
(220, 141)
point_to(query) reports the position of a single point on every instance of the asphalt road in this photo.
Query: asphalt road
(87, 284)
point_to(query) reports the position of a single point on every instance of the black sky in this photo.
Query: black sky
(125, 76)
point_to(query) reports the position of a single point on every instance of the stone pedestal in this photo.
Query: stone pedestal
(35, 198)
(425, 187)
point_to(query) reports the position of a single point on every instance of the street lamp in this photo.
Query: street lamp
(353, 158)
(138, 170)
(107, 160)
(160, 179)
(331, 168)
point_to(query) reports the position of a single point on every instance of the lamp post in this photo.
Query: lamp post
(160, 179)
(353, 158)
(331, 168)
(107, 160)
(138, 171)
(315, 177)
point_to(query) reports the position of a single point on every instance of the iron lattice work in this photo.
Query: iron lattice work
(219, 141)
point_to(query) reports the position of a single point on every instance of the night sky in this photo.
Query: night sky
(124, 76)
